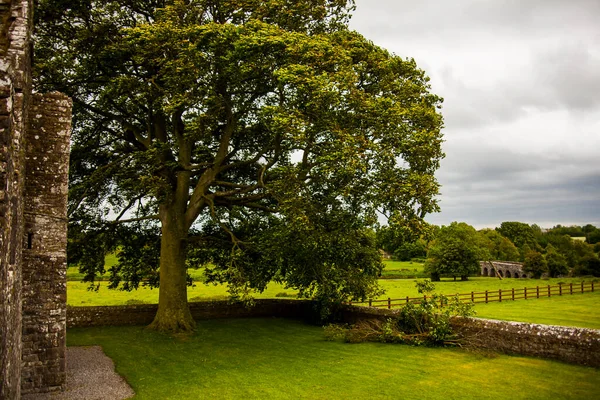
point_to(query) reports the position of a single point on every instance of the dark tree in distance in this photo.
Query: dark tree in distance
(262, 136)
(535, 264)
(455, 251)
(557, 263)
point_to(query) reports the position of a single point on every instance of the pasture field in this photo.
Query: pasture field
(581, 310)
(403, 269)
(286, 359)
(569, 310)
(78, 293)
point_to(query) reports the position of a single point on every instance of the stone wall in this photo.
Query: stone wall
(34, 145)
(15, 33)
(144, 314)
(573, 345)
(45, 243)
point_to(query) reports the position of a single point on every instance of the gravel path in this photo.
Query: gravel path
(90, 376)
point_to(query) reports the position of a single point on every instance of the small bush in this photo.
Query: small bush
(199, 299)
(426, 322)
(131, 302)
(335, 332)
(285, 294)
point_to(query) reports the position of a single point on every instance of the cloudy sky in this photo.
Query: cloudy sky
(521, 87)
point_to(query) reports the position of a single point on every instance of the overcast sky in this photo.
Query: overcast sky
(521, 87)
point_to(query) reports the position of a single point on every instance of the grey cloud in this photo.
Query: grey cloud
(432, 18)
(485, 186)
(521, 83)
(573, 75)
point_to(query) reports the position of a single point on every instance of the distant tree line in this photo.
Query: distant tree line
(455, 250)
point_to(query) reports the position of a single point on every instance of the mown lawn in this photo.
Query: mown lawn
(286, 359)
(403, 269)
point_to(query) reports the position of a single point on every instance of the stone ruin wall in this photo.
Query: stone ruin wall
(14, 96)
(44, 243)
(34, 144)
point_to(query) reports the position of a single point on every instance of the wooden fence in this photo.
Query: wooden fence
(489, 296)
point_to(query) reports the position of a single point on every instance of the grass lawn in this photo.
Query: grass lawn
(79, 295)
(286, 359)
(576, 310)
(398, 288)
(403, 269)
(582, 310)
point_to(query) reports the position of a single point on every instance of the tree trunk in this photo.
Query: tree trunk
(173, 312)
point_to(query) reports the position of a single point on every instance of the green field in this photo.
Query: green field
(576, 310)
(285, 359)
(403, 269)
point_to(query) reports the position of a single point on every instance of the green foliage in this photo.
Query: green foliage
(557, 263)
(233, 126)
(589, 265)
(500, 248)
(426, 322)
(455, 251)
(408, 251)
(285, 294)
(334, 332)
(518, 233)
(430, 318)
(535, 264)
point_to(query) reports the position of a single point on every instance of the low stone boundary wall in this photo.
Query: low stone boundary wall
(573, 345)
(144, 314)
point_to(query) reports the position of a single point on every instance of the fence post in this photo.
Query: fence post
(486, 296)
(537, 291)
(571, 285)
(581, 286)
(560, 289)
(370, 302)
(407, 300)
(472, 297)
(549, 293)
(525, 292)
(389, 303)
(592, 286)
(513, 294)
(500, 295)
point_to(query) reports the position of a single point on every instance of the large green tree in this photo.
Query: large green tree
(519, 233)
(261, 136)
(455, 251)
(500, 248)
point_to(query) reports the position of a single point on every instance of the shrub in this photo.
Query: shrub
(335, 332)
(131, 302)
(285, 294)
(426, 322)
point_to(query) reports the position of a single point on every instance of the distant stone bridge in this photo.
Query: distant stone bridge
(505, 269)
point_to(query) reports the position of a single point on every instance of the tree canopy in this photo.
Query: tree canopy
(258, 136)
(455, 251)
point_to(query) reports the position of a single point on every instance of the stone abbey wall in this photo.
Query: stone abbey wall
(34, 145)
(14, 97)
(44, 287)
